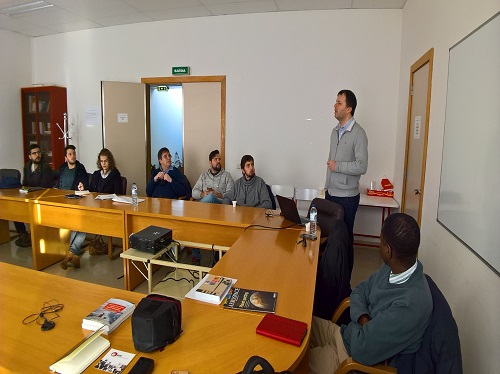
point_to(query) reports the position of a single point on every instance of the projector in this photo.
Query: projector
(151, 240)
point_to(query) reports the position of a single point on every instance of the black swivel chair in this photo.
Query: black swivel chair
(328, 214)
(271, 196)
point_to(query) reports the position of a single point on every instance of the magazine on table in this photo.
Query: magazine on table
(251, 300)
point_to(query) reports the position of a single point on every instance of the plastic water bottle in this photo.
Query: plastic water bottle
(134, 194)
(313, 218)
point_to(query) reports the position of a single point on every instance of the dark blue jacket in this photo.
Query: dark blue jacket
(167, 190)
(80, 176)
(111, 184)
(440, 351)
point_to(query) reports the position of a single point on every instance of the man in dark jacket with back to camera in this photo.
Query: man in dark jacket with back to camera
(36, 173)
(390, 310)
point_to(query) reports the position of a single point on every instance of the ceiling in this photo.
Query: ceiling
(59, 16)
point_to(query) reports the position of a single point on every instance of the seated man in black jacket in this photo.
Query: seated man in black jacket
(167, 181)
(36, 173)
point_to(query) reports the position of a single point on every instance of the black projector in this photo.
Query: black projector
(151, 240)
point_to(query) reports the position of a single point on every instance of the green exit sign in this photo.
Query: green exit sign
(180, 70)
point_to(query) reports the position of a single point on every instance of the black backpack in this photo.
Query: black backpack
(156, 322)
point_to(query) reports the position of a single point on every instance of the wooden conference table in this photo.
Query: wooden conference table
(52, 216)
(214, 340)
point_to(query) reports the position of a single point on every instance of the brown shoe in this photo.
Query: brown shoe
(64, 263)
(75, 261)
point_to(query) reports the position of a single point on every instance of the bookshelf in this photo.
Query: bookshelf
(42, 109)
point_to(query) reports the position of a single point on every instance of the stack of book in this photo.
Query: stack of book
(108, 316)
(211, 289)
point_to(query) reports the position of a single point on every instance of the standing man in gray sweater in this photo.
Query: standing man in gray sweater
(348, 158)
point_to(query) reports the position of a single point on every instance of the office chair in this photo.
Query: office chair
(271, 196)
(328, 214)
(124, 185)
(333, 277)
(439, 351)
(303, 198)
(10, 178)
(282, 190)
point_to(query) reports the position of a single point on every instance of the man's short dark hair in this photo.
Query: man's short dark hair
(69, 146)
(32, 146)
(244, 160)
(212, 154)
(162, 151)
(402, 234)
(350, 99)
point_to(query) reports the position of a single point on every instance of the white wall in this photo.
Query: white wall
(281, 69)
(15, 72)
(470, 287)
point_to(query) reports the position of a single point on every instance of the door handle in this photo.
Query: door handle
(416, 191)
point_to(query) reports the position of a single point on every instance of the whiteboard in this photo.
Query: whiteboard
(469, 192)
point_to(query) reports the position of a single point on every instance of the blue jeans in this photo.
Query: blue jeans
(209, 198)
(76, 240)
(350, 205)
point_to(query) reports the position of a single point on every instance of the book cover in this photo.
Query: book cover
(78, 358)
(283, 329)
(211, 289)
(115, 361)
(252, 300)
(110, 315)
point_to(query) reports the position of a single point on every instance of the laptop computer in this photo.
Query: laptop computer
(289, 211)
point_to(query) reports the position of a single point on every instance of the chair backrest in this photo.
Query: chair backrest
(271, 196)
(328, 213)
(303, 198)
(10, 178)
(282, 190)
(440, 350)
(90, 178)
(333, 278)
(124, 185)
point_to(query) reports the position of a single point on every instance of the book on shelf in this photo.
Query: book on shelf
(211, 289)
(78, 358)
(284, 329)
(115, 361)
(33, 127)
(251, 300)
(108, 316)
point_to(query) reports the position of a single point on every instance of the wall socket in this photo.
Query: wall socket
(237, 166)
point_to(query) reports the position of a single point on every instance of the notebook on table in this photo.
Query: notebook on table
(290, 212)
(283, 329)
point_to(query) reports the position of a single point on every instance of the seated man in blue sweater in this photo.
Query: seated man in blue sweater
(389, 311)
(167, 181)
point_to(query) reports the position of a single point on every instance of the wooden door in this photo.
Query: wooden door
(416, 135)
(124, 129)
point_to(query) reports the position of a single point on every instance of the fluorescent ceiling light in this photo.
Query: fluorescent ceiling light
(28, 7)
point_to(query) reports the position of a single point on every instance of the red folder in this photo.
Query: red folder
(283, 329)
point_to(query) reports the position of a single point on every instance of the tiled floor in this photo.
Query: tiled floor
(101, 270)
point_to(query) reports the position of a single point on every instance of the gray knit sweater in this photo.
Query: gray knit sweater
(249, 193)
(351, 157)
(221, 182)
